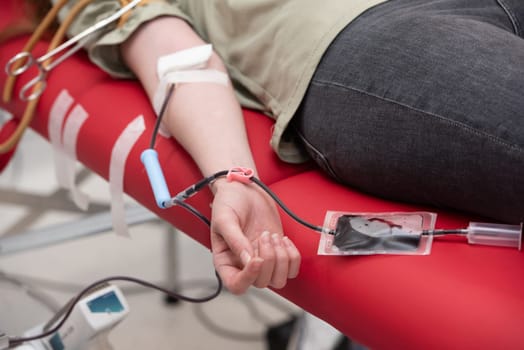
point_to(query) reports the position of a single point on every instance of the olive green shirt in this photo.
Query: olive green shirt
(270, 47)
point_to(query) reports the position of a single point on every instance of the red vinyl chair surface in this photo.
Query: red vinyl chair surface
(458, 297)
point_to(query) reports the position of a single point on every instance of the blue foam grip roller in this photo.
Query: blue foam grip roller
(156, 177)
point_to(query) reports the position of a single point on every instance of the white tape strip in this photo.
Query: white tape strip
(184, 66)
(72, 127)
(192, 58)
(189, 76)
(64, 144)
(57, 116)
(119, 155)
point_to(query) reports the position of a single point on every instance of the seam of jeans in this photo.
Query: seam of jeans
(321, 155)
(512, 18)
(450, 121)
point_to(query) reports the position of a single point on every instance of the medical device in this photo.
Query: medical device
(406, 233)
(90, 319)
(22, 61)
(93, 311)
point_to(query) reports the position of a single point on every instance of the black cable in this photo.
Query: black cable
(187, 284)
(458, 231)
(15, 341)
(192, 210)
(190, 191)
(193, 189)
(286, 209)
(160, 115)
(179, 198)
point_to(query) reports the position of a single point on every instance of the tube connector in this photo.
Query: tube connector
(156, 178)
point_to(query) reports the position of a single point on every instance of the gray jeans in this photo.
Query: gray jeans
(422, 101)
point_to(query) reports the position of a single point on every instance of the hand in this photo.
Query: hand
(246, 239)
(243, 254)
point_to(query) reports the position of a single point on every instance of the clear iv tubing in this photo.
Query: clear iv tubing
(499, 235)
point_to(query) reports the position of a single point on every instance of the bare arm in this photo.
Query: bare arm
(217, 105)
(206, 114)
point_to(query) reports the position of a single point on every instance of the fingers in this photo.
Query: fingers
(275, 259)
(238, 280)
(294, 258)
(280, 275)
(266, 252)
(281, 260)
(231, 237)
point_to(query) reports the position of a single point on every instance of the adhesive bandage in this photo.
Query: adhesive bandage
(185, 66)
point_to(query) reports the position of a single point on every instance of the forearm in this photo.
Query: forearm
(205, 118)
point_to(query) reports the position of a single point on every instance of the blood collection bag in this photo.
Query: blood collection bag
(377, 233)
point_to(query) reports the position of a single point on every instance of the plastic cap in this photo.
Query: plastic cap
(499, 235)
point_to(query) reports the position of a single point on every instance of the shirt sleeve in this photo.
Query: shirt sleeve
(105, 51)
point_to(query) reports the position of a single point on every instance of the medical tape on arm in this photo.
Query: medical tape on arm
(185, 66)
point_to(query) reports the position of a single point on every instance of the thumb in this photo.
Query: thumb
(236, 241)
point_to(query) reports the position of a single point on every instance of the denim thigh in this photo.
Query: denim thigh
(423, 101)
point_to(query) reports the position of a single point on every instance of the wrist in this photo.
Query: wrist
(217, 184)
(224, 182)
(241, 175)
